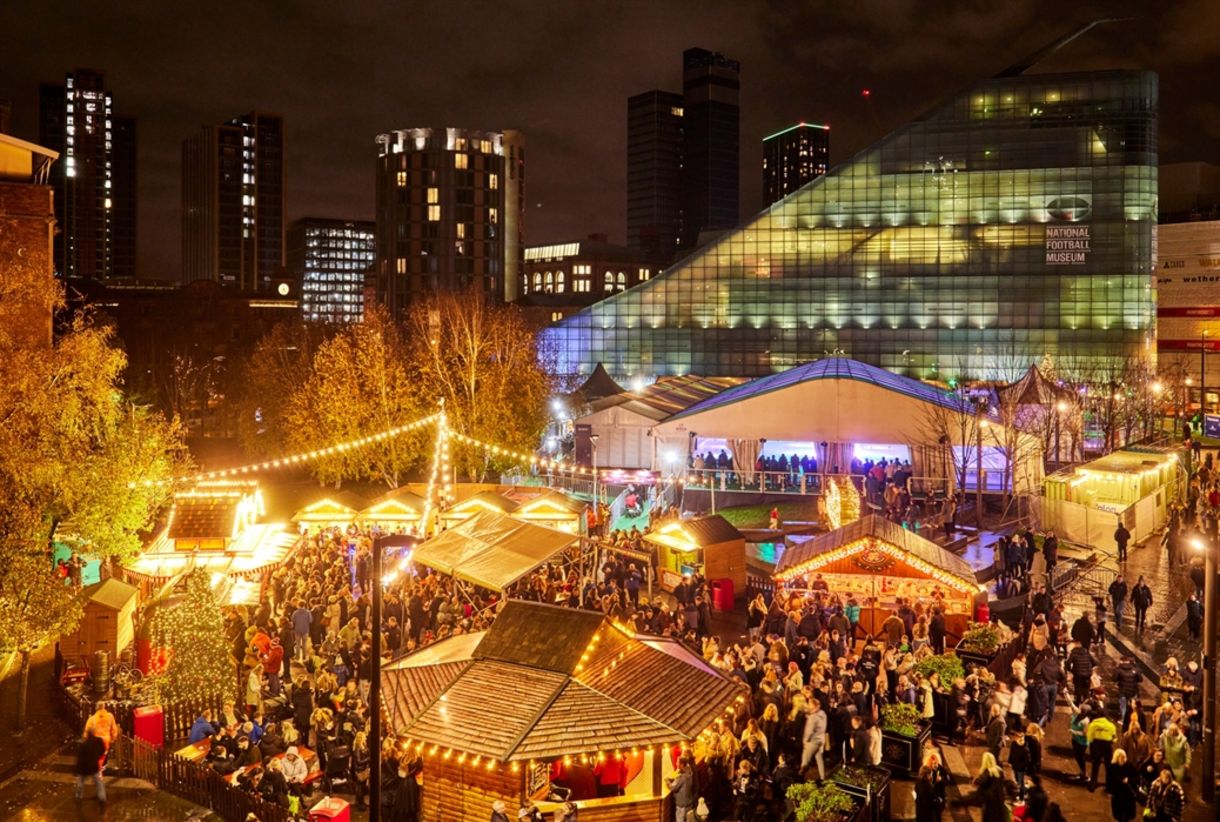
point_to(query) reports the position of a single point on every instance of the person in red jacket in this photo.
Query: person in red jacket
(273, 661)
(611, 773)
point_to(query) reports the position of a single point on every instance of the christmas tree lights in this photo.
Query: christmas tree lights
(197, 670)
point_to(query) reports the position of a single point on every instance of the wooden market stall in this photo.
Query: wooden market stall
(480, 502)
(877, 561)
(108, 622)
(399, 510)
(709, 545)
(554, 509)
(540, 700)
(336, 509)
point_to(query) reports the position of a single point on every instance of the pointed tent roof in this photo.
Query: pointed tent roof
(565, 681)
(890, 537)
(599, 384)
(1032, 389)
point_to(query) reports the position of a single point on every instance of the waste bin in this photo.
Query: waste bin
(148, 725)
(722, 594)
(330, 809)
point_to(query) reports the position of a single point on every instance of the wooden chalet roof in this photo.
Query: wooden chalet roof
(701, 531)
(546, 681)
(203, 518)
(111, 593)
(402, 496)
(490, 499)
(554, 499)
(906, 542)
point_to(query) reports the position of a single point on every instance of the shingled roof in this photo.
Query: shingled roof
(204, 518)
(546, 681)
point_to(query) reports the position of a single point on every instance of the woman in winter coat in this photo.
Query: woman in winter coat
(1177, 750)
(991, 788)
(1121, 781)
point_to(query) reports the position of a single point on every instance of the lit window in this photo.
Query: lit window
(559, 282)
(537, 281)
(493, 215)
(493, 181)
(402, 265)
(485, 146)
(550, 282)
(676, 111)
(608, 283)
(402, 179)
(645, 274)
(434, 196)
(434, 213)
(556, 316)
(461, 230)
(461, 161)
(622, 281)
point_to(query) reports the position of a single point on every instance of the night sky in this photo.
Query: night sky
(340, 72)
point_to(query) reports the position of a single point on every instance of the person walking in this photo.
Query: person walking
(995, 731)
(1118, 599)
(814, 739)
(682, 788)
(1194, 615)
(1121, 778)
(1177, 750)
(1141, 601)
(1129, 679)
(1100, 735)
(1165, 798)
(991, 788)
(1121, 537)
(930, 787)
(1018, 760)
(89, 764)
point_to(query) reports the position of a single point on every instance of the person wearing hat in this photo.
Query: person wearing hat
(499, 811)
(294, 768)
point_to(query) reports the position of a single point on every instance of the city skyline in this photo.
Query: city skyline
(336, 98)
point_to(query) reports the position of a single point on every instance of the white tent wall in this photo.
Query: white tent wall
(623, 440)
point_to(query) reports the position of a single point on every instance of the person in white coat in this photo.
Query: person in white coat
(814, 738)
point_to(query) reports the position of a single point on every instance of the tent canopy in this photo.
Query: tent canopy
(878, 534)
(492, 550)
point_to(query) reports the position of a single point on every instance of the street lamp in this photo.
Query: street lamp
(1061, 407)
(1209, 668)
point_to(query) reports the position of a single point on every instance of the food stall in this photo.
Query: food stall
(572, 692)
(399, 511)
(477, 504)
(554, 509)
(877, 561)
(337, 509)
(709, 545)
(1084, 504)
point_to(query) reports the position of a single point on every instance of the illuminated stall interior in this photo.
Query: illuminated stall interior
(570, 689)
(398, 511)
(213, 526)
(876, 562)
(337, 509)
(554, 509)
(710, 545)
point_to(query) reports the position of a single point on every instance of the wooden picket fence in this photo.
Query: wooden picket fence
(197, 783)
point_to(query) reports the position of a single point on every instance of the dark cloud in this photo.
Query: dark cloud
(342, 72)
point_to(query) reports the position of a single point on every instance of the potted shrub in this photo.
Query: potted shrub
(903, 735)
(947, 667)
(868, 784)
(981, 642)
(822, 803)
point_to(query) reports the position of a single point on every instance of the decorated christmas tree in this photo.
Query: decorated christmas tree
(197, 669)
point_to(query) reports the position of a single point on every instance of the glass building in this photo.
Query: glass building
(331, 259)
(1014, 222)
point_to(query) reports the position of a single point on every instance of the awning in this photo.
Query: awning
(492, 550)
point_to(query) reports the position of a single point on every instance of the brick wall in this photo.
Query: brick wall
(27, 226)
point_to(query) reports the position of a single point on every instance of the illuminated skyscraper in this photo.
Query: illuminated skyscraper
(331, 259)
(94, 180)
(792, 158)
(450, 213)
(233, 228)
(1014, 221)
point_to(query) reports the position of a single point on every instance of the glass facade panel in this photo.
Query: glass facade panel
(1014, 222)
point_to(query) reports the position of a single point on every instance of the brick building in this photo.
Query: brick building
(27, 233)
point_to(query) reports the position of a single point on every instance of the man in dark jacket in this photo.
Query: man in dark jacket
(861, 743)
(89, 764)
(1121, 537)
(1050, 552)
(1118, 599)
(1082, 631)
(1080, 663)
(936, 631)
(1141, 600)
(1129, 679)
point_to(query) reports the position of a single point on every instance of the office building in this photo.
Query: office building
(711, 141)
(233, 229)
(654, 173)
(450, 213)
(94, 181)
(330, 259)
(560, 278)
(1001, 227)
(27, 242)
(6, 116)
(793, 157)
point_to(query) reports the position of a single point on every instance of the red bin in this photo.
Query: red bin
(149, 725)
(722, 594)
(330, 809)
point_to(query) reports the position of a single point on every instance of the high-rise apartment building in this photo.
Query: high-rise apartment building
(1003, 226)
(711, 141)
(654, 173)
(6, 115)
(95, 179)
(792, 158)
(331, 259)
(450, 206)
(233, 228)
(682, 158)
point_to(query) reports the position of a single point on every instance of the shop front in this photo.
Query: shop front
(878, 562)
(709, 545)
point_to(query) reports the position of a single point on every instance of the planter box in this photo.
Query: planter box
(874, 807)
(903, 753)
(974, 657)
